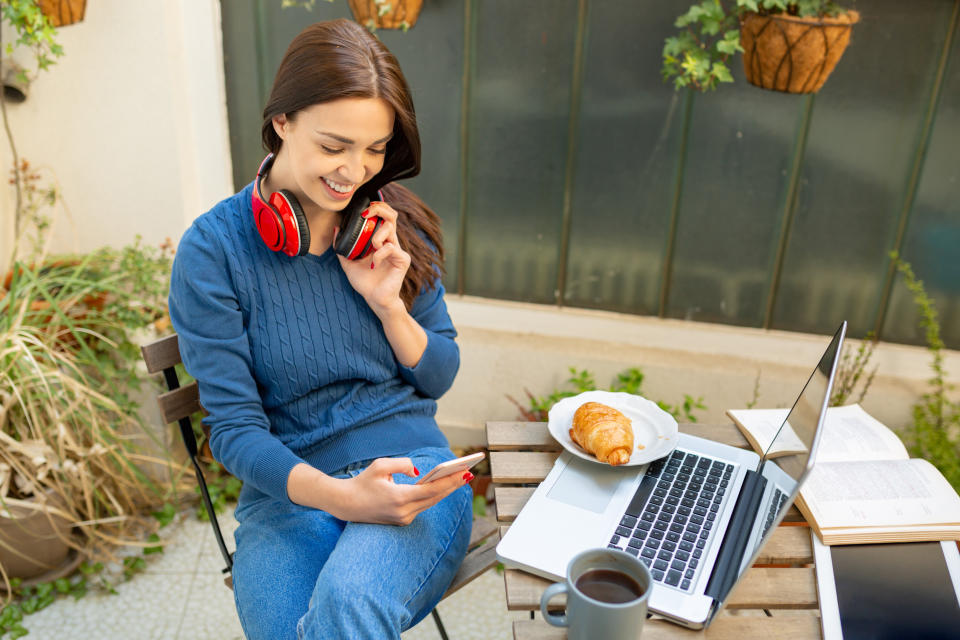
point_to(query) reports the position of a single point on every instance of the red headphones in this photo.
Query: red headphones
(280, 221)
(283, 226)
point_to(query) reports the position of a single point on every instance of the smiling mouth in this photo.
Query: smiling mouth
(342, 189)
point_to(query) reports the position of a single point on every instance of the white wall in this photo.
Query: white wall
(131, 120)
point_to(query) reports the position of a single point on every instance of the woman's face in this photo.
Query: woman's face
(334, 147)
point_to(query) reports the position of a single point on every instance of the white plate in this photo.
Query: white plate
(653, 428)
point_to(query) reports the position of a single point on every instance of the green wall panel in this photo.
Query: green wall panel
(932, 242)
(519, 110)
(625, 161)
(741, 144)
(861, 148)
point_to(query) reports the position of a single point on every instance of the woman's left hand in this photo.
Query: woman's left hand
(379, 276)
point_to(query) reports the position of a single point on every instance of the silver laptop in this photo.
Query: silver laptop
(697, 518)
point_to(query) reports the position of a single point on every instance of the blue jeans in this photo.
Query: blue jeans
(301, 573)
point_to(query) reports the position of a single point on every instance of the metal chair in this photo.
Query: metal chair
(179, 403)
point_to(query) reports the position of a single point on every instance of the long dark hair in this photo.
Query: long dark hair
(341, 59)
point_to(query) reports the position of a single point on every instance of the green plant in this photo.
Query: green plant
(66, 369)
(628, 381)
(850, 371)
(935, 433)
(710, 34)
(755, 398)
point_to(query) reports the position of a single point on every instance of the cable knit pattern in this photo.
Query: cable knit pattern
(293, 365)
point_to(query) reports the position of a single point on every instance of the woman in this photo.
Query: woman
(320, 374)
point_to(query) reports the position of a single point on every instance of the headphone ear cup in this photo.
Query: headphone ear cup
(295, 222)
(353, 224)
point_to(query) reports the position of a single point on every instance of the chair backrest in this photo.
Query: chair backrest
(179, 403)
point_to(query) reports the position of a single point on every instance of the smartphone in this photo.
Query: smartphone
(356, 232)
(445, 469)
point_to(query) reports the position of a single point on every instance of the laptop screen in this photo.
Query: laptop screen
(793, 446)
(790, 455)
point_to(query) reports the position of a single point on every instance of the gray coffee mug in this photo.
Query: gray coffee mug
(602, 588)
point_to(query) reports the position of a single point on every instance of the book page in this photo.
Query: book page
(879, 494)
(763, 425)
(850, 433)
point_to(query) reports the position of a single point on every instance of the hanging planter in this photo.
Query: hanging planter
(61, 13)
(792, 54)
(787, 45)
(386, 14)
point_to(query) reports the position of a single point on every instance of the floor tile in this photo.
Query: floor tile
(210, 613)
(148, 607)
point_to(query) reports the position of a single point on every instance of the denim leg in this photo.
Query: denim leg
(380, 579)
(281, 548)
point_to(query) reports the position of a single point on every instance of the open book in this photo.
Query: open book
(864, 487)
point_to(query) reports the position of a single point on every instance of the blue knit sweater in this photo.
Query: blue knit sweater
(292, 363)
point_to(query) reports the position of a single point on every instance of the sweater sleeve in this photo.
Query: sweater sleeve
(438, 365)
(205, 312)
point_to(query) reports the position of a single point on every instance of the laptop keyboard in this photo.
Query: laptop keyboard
(778, 499)
(671, 516)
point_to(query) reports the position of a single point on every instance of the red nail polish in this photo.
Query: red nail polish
(467, 477)
(372, 265)
(416, 472)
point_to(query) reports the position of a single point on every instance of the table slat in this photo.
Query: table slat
(787, 626)
(515, 467)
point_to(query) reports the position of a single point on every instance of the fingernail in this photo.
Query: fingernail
(416, 472)
(467, 477)
(372, 265)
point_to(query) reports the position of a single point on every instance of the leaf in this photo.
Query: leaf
(166, 514)
(672, 47)
(721, 72)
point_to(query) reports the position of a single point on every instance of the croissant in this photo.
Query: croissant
(604, 432)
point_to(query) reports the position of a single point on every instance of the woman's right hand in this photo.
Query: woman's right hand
(372, 496)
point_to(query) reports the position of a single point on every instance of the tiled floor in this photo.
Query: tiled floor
(181, 596)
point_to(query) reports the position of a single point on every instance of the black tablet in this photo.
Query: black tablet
(895, 590)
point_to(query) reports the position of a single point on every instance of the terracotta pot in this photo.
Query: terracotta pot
(60, 13)
(401, 11)
(792, 54)
(32, 542)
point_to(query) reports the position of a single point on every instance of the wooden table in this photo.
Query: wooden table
(773, 601)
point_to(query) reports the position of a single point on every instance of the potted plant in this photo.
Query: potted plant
(70, 466)
(787, 45)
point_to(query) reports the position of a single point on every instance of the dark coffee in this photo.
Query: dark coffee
(609, 586)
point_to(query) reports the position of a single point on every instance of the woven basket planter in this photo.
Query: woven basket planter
(366, 12)
(791, 54)
(63, 12)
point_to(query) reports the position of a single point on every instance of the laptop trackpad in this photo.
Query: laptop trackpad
(586, 485)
